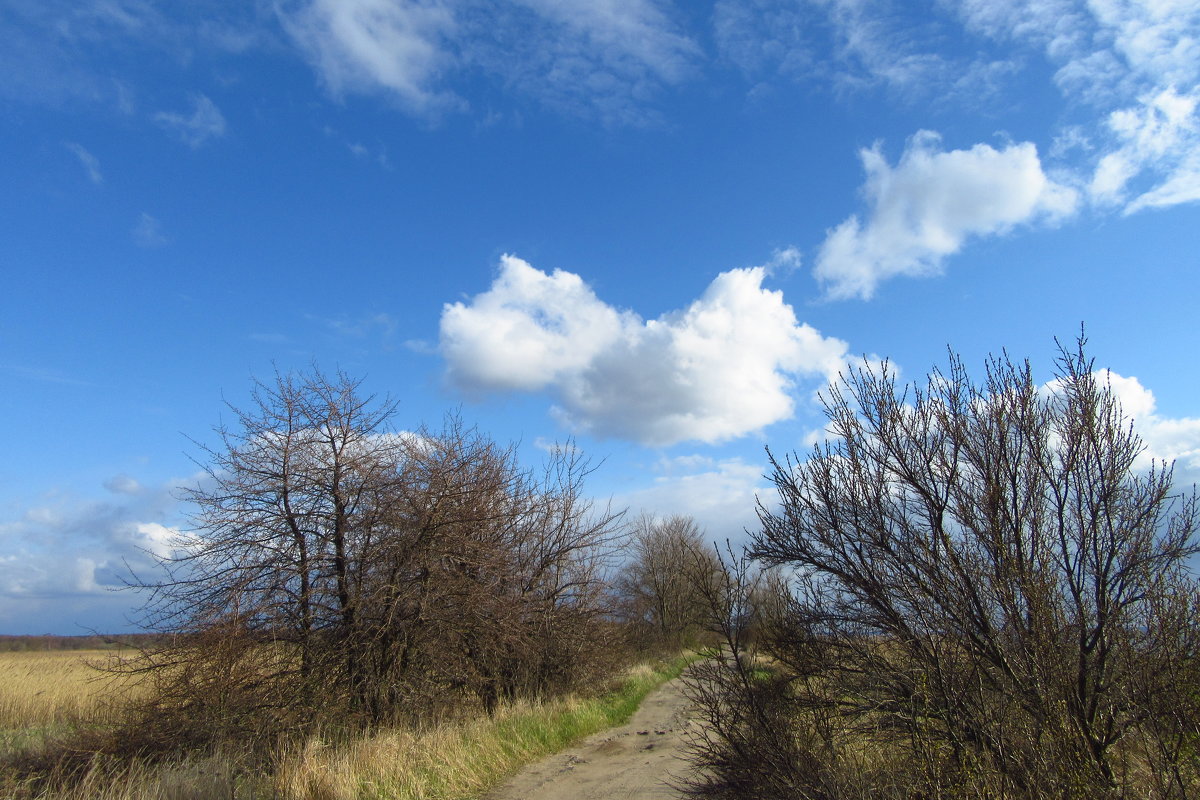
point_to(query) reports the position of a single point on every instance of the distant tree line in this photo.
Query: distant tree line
(52, 642)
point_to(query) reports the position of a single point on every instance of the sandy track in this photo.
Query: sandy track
(629, 762)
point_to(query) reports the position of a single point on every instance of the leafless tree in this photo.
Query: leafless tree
(493, 576)
(663, 582)
(340, 568)
(989, 585)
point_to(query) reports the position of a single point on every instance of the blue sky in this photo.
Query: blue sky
(659, 227)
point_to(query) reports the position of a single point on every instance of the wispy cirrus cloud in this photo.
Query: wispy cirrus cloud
(44, 374)
(1105, 50)
(602, 59)
(725, 366)
(204, 123)
(607, 60)
(850, 46)
(387, 46)
(90, 163)
(148, 232)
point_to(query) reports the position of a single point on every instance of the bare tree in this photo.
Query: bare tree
(493, 576)
(988, 585)
(664, 580)
(339, 568)
(291, 505)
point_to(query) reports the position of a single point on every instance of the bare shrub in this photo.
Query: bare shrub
(989, 597)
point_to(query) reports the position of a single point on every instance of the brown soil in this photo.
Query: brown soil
(636, 761)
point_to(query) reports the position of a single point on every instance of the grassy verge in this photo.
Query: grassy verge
(461, 761)
(453, 761)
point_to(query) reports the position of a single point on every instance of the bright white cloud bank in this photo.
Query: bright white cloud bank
(1166, 439)
(721, 368)
(929, 204)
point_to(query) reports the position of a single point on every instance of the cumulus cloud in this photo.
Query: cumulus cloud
(928, 205)
(63, 556)
(204, 123)
(529, 330)
(1166, 439)
(719, 494)
(723, 367)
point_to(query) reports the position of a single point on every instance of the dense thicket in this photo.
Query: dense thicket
(341, 569)
(989, 596)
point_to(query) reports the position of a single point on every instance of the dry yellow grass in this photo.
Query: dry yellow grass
(39, 689)
(451, 761)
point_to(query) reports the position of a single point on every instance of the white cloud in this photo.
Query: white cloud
(1056, 25)
(90, 163)
(636, 31)
(1103, 48)
(66, 546)
(155, 538)
(851, 45)
(148, 232)
(1158, 39)
(929, 204)
(1160, 137)
(723, 367)
(1138, 61)
(874, 42)
(122, 484)
(529, 330)
(398, 47)
(600, 58)
(719, 495)
(1166, 439)
(604, 59)
(205, 122)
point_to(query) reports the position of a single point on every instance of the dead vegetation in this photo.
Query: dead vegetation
(984, 593)
(345, 581)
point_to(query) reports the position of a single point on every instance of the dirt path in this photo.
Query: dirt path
(628, 762)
